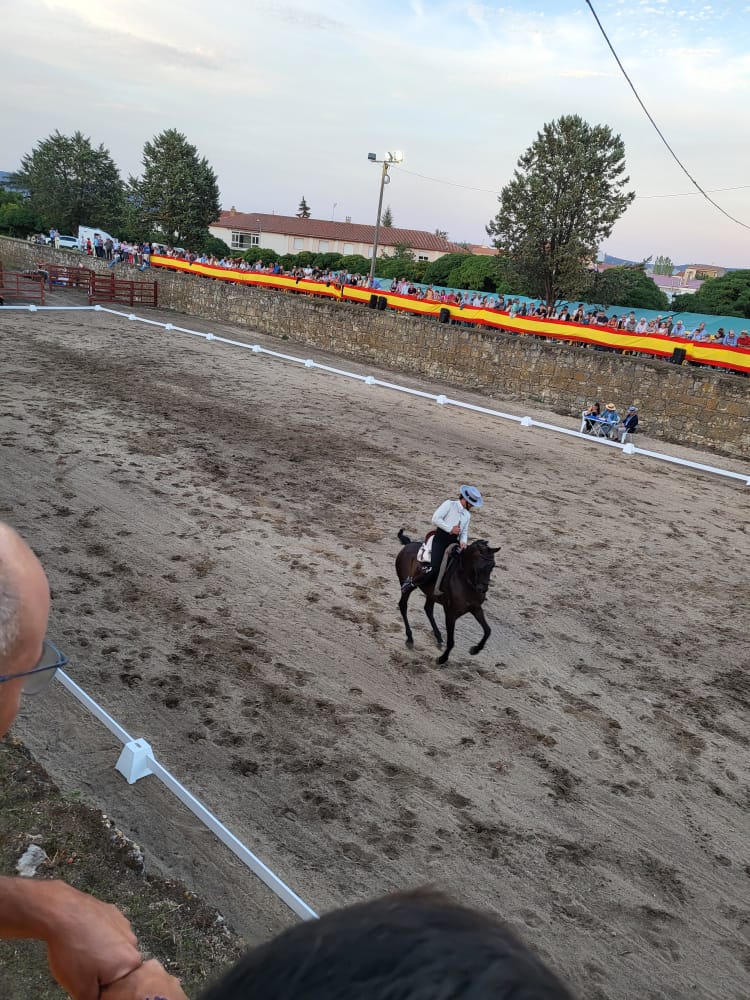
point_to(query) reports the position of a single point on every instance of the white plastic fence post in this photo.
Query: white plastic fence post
(135, 761)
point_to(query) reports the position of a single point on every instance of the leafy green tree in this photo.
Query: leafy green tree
(305, 257)
(475, 272)
(355, 264)
(437, 271)
(264, 254)
(17, 217)
(628, 285)
(387, 219)
(177, 197)
(70, 183)
(566, 194)
(663, 265)
(327, 261)
(303, 211)
(396, 264)
(214, 246)
(725, 296)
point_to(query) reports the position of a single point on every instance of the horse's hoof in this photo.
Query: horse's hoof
(474, 650)
(409, 643)
(441, 659)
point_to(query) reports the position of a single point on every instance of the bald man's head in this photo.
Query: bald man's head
(24, 609)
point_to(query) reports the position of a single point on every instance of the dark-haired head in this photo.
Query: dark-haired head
(412, 946)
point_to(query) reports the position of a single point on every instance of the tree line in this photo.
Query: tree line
(67, 182)
(567, 192)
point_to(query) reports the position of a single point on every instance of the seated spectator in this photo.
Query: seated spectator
(678, 329)
(730, 339)
(641, 326)
(410, 946)
(744, 339)
(630, 323)
(578, 315)
(591, 413)
(627, 425)
(611, 418)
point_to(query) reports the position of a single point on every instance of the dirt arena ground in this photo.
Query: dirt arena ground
(219, 530)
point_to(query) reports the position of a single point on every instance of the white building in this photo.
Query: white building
(289, 234)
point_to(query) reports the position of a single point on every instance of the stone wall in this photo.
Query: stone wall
(690, 405)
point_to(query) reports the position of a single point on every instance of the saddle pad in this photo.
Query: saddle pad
(425, 551)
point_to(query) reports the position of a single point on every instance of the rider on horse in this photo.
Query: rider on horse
(451, 521)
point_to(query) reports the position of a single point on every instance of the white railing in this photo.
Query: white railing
(626, 449)
(137, 761)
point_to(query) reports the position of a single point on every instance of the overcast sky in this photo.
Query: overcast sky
(287, 98)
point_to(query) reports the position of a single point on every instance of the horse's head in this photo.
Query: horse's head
(479, 560)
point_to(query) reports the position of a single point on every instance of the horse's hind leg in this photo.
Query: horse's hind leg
(450, 624)
(429, 610)
(479, 615)
(402, 608)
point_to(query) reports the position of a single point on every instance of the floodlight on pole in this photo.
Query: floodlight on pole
(388, 158)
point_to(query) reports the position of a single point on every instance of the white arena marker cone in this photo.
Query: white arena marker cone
(526, 422)
(134, 761)
(628, 449)
(369, 380)
(441, 400)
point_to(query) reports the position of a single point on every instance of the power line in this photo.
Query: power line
(639, 197)
(676, 158)
(692, 194)
(439, 180)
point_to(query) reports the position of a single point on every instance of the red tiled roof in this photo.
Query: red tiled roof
(347, 232)
(482, 251)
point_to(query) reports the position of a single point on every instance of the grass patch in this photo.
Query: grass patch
(87, 851)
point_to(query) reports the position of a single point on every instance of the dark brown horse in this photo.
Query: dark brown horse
(463, 589)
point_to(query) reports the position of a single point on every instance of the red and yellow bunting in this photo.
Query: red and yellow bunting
(735, 358)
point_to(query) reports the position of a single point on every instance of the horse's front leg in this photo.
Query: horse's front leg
(402, 608)
(450, 625)
(479, 615)
(429, 610)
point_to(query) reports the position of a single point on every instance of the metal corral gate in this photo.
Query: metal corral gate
(107, 288)
(21, 286)
(61, 276)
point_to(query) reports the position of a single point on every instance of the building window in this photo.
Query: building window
(243, 241)
(299, 242)
(348, 249)
(323, 246)
(422, 257)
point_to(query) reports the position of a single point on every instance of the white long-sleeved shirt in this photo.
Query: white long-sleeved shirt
(451, 513)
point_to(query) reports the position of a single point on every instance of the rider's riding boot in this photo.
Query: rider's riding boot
(412, 582)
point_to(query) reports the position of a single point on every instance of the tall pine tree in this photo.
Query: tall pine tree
(70, 183)
(566, 194)
(303, 212)
(177, 197)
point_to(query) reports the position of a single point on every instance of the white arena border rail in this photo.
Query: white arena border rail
(137, 761)
(626, 449)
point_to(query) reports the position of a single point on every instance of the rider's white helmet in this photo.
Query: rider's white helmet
(472, 495)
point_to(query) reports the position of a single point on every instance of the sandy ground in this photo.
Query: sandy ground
(219, 529)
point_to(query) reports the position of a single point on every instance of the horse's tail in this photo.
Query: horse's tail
(404, 539)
